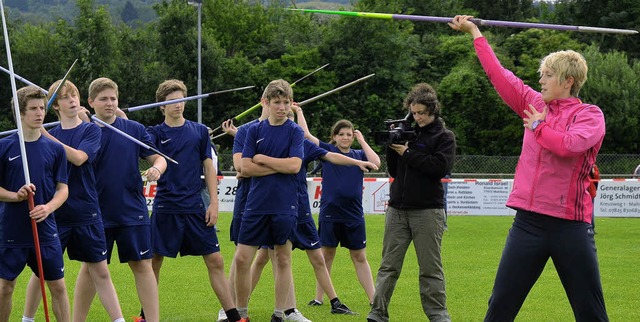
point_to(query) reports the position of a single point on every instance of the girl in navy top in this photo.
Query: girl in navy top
(341, 218)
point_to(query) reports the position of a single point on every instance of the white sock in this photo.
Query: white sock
(28, 319)
(119, 320)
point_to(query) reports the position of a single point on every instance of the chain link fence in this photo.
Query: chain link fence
(481, 166)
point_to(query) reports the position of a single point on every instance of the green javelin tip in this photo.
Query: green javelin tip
(349, 13)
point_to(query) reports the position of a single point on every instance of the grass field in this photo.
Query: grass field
(471, 251)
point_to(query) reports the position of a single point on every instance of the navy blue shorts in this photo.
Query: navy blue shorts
(187, 234)
(348, 235)
(269, 230)
(134, 242)
(305, 236)
(234, 229)
(14, 260)
(84, 243)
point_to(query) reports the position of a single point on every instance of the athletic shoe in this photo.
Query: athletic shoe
(222, 316)
(339, 308)
(315, 302)
(138, 319)
(274, 318)
(244, 319)
(296, 316)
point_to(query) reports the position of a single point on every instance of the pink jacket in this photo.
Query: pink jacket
(552, 172)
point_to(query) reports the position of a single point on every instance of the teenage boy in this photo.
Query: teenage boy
(122, 204)
(272, 155)
(181, 222)
(48, 174)
(79, 221)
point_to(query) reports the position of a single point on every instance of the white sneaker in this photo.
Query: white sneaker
(222, 316)
(296, 316)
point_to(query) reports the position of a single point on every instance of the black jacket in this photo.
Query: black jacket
(417, 173)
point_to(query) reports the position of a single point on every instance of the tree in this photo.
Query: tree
(129, 13)
(358, 47)
(614, 85)
(95, 42)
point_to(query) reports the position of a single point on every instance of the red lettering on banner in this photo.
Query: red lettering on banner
(152, 190)
(149, 190)
(318, 193)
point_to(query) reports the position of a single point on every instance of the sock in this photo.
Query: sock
(243, 311)
(28, 319)
(335, 301)
(142, 313)
(233, 315)
(278, 313)
(289, 311)
(119, 320)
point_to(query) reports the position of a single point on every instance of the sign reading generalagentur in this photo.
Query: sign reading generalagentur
(475, 197)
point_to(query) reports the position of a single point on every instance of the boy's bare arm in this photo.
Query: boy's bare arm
(280, 165)
(41, 212)
(253, 169)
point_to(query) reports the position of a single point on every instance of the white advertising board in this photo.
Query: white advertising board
(480, 197)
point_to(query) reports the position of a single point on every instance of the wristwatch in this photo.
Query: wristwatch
(535, 124)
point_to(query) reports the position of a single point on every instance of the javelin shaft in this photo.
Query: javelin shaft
(24, 80)
(337, 89)
(131, 138)
(188, 98)
(25, 164)
(254, 107)
(57, 90)
(479, 22)
(145, 106)
(315, 98)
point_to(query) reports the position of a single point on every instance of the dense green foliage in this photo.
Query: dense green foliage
(248, 42)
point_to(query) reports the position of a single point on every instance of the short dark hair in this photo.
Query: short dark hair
(423, 94)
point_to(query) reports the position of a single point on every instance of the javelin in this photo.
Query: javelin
(141, 107)
(136, 141)
(55, 92)
(22, 79)
(317, 97)
(25, 164)
(252, 108)
(188, 98)
(479, 22)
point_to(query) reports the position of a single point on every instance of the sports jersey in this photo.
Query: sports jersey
(242, 188)
(275, 193)
(118, 179)
(341, 199)
(179, 187)
(81, 208)
(47, 167)
(312, 152)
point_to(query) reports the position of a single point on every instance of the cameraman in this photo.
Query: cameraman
(416, 207)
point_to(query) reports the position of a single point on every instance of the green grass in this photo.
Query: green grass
(471, 251)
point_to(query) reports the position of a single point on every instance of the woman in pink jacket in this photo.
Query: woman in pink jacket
(562, 137)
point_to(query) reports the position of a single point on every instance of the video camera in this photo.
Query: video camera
(398, 132)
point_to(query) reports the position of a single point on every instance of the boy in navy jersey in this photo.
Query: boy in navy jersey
(272, 155)
(122, 204)
(48, 175)
(181, 222)
(79, 221)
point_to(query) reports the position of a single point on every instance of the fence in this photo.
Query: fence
(480, 166)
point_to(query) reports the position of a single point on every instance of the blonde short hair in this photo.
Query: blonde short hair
(567, 63)
(278, 88)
